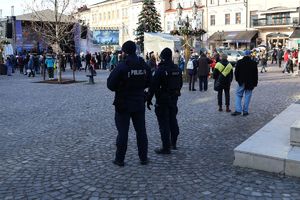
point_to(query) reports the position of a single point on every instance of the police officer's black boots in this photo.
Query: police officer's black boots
(162, 151)
(119, 163)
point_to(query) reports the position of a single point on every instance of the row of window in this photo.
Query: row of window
(227, 19)
(109, 15)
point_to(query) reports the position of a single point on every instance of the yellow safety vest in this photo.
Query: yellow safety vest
(221, 69)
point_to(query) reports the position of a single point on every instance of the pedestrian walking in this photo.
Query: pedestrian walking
(31, 67)
(129, 80)
(286, 58)
(88, 58)
(280, 54)
(246, 74)
(203, 71)
(223, 73)
(264, 61)
(152, 61)
(192, 66)
(50, 61)
(166, 85)
(9, 66)
(176, 57)
(274, 56)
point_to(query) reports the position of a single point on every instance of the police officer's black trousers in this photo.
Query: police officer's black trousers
(122, 121)
(168, 125)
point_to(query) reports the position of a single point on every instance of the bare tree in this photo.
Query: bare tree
(54, 22)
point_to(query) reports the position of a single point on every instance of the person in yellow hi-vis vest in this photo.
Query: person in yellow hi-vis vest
(223, 75)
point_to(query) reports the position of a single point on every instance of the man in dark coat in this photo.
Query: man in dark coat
(166, 84)
(203, 71)
(88, 58)
(246, 74)
(129, 80)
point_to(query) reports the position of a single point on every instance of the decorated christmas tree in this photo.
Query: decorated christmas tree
(149, 21)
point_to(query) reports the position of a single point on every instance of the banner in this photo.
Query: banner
(19, 36)
(106, 37)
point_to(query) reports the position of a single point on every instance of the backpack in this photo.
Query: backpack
(190, 65)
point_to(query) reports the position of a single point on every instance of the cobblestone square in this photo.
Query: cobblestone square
(58, 142)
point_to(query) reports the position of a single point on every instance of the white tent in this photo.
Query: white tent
(156, 42)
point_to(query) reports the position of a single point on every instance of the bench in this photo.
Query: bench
(91, 78)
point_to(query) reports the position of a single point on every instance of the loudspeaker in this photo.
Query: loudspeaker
(8, 31)
(83, 32)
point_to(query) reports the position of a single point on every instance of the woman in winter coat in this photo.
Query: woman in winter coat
(223, 73)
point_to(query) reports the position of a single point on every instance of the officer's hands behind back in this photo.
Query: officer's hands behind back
(149, 103)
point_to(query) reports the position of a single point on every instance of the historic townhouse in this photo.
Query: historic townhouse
(275, 20)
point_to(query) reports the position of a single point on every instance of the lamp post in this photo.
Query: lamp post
(246, 5)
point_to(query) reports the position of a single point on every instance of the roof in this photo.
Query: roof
(296, 33)
(233, 36)
(43, 15)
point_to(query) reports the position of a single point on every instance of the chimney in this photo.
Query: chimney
(12, 10)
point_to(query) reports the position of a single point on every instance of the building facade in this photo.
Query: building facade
(234, 23)
(275, 21)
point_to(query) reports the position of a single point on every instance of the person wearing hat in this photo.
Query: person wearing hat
(128, 80)
(246, 74)
(166, 84)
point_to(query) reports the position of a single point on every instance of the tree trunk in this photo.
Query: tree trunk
(187, 54)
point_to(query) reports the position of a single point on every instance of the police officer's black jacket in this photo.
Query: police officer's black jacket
(166, 83)
(129, 80)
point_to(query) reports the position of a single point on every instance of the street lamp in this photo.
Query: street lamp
(195, 10)
(179, 10)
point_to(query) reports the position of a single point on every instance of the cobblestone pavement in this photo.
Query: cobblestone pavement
(57, 142)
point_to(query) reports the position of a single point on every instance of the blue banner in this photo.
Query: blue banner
(19, 36)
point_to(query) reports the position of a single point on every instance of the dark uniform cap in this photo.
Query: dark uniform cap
(129, 47)
(166, 54)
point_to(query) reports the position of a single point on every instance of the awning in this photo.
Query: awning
(296, 33)
(233, 36)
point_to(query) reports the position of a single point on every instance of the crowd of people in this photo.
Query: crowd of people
(29, 63)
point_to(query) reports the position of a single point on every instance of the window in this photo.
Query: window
(104, 16)
(113, 14)
(212, 20)
(108, 15)
(226, 0)
(118, 14)
(212, 1)
(237, 18)
(169, 25)
(227, 19)
(100, 16)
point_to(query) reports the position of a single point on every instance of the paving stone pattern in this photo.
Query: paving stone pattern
(58, 142)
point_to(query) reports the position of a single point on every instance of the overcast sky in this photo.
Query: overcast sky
(5, 5)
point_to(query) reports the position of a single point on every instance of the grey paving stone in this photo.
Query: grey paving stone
(58, 141)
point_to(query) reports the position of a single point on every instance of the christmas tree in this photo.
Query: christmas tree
(149, 21)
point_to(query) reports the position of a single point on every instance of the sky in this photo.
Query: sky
(19, 6)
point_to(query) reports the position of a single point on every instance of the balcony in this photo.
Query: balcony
(275, 22)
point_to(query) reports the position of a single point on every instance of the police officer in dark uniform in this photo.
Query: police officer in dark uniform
(129, 80)
(166, 84)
